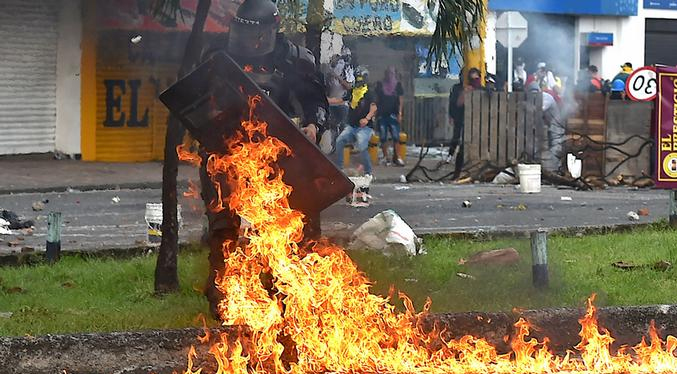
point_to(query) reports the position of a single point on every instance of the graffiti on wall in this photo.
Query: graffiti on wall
(367, 16)
(137, 15)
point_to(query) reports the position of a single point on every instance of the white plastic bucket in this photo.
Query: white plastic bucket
(154, 222)
(530, 178)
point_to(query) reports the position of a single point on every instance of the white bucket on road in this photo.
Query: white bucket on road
(154, 222)
(530, 178)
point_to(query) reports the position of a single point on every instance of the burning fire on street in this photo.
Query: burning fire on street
(319, 316)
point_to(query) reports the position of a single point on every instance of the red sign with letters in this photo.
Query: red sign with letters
(665, 122)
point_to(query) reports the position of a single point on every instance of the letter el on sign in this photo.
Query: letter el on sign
(115, 116)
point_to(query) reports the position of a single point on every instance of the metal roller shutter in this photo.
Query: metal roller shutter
(660, 36)
(28, 45)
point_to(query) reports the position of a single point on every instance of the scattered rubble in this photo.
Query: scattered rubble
(14, 222)
(465, 276)
(521, 207)
(661, 265)
(38, 206)
(505, 256)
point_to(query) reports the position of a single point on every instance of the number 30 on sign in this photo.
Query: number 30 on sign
(642, 85)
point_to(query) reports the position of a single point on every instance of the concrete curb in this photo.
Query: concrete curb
(89, 187)
(121, 186)
(165, 351)
(340, 238)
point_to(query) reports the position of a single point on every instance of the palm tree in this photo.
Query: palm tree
(166, 268)
(457, 24)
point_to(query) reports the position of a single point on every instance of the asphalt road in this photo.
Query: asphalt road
(92, 221)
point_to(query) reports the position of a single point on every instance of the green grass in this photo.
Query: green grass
(578, 267)
(99, 295)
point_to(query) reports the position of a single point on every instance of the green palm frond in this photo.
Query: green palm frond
(167, 11)
(458, 23)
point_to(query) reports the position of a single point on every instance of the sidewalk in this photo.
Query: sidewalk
(31, 174)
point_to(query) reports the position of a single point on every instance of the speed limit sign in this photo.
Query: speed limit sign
(641, 84)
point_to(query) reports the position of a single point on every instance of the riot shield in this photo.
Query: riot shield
(211, 102)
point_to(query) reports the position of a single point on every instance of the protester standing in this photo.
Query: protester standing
(390, 98)
(457, 115)
(626, 70)
(360, 124)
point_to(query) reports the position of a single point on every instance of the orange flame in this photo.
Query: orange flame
(318, 316)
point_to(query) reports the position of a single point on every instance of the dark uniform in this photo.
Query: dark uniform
(288, 74)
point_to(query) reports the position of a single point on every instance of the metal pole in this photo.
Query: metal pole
(510, 78)
(673, 209)
(54, 222)
(539, 257)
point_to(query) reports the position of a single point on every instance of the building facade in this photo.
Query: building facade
(569, 35)
(82, 77)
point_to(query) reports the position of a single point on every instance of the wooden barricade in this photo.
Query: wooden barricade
(501, 127)
(586, 132)
(426, 120)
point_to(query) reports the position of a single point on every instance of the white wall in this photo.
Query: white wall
(68, 77)
(490, 43)
(628, 38)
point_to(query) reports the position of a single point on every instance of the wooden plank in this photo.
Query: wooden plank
(467, 130)
(485, 126)
(476, 120)
(540, 128)
(511, 127)
(502, 122)
(529, 126)
(494, 129)
(521, 105)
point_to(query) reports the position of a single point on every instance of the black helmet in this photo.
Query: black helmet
(253, 30)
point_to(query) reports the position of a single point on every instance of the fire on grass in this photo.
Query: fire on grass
(319, 316)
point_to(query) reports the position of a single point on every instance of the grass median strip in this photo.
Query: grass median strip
(100, 295)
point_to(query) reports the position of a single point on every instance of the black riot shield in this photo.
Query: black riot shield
(211, 102)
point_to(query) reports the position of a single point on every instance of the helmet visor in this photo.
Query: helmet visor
(251, 40)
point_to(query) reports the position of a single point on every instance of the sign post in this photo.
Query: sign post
(511, 31)
(665, 133)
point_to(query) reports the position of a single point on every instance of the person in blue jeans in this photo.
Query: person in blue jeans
(389, 93)
(360, 125)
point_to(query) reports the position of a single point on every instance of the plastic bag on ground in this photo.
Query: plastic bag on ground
(387, 232)
(4, 227)
(506, 176)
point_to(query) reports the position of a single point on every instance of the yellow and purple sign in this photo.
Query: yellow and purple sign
(666, 128)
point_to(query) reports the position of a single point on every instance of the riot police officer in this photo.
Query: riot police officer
(288, 74)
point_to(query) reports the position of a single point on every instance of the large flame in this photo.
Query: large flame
(317, 315)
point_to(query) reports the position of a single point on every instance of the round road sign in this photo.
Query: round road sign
(642, 85)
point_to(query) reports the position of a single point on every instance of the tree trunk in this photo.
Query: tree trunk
(315, 22)
(166, 270)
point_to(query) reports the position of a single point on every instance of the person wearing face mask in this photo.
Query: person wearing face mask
(457, 114)
(339, 79)
(519, 76)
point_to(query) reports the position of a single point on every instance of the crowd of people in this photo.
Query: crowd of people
(557, 102)
(358, 108)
